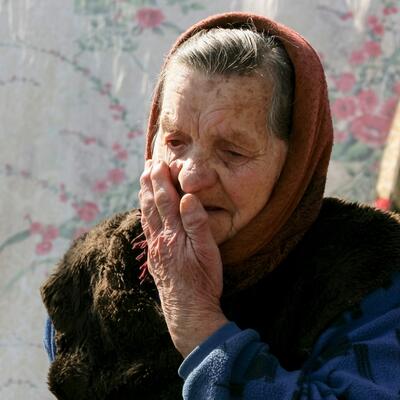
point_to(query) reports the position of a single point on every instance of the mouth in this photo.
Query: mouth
(213, 208)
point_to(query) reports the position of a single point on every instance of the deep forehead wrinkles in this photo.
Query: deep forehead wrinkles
(233, 105)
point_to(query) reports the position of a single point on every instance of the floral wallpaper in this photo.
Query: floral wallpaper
(75, 88)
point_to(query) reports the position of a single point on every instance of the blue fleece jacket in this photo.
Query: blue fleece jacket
(356, 358)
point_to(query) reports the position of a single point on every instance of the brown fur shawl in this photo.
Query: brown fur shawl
(113, 343)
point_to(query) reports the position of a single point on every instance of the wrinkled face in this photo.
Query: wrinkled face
(213, 135)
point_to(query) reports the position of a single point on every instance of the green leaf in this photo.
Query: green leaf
(171, 25)
(18, 237)
(68, 228)
(196, 6)
(358, 152)
(158, 30)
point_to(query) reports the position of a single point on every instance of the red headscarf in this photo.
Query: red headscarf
(295, 202)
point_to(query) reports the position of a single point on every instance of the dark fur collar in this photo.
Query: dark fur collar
(112, 340)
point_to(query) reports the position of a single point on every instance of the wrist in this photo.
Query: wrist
(188, 336)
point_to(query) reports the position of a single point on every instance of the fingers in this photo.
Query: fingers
(195, 221)
(158, 198)
(151, 221)
(166, 197)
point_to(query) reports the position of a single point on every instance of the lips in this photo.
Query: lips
(212, 208)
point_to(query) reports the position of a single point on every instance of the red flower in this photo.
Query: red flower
(122, 155)
(148, 17)
(116, 147)
(89, 140)
(343, 108)
(357, 57)
(50, 233)
(372, 20)
(116, 175)
(340, 136)
(396, 87)
(378, 29)
(345, 82)
(373, 49)
(367, 100)
(382, 203)
(390, 10)
(346, 16)
(43, 248)
(36, 227)
(389, 107)
(133, 134)
(100, 186)
(87, 211)
(370, 129)
(63, 198)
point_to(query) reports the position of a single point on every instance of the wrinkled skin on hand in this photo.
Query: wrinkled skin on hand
(183, 258)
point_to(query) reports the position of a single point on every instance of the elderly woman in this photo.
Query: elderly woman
(254, 286)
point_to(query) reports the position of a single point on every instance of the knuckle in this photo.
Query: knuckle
(162, 198)
(144, 178)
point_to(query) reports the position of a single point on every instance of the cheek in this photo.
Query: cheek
(251, 191)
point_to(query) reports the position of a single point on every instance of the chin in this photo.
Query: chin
(221, 227)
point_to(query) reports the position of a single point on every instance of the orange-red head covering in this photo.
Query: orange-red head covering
(295, 202)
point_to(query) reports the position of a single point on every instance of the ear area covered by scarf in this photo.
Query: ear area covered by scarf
(111, 336)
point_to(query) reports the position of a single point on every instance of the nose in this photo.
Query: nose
(196, 175)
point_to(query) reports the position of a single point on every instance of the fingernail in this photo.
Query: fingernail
(148, 163)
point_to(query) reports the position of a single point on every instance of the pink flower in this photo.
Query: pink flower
(345, 82)
(80, 232)
(36, 227)
(372, 20)
(344, 107)
(357, 57)
(116, 175)
(370, 129)
(116, 147)
(373, 49)
(122, 155)
(396, 87)
(367, 100)
(346, 16)
(50, 233)
(389, 107)
(100, 186)
(378, 29)
(133, 134)
(89, 140)
(390, 10)
(43, 248)
(117, 107)
(148, 17)
(87, 211)
(63, 198)
(340, 136)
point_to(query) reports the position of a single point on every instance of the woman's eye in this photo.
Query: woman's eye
(174, 143)
(233, 156)
(234, 153)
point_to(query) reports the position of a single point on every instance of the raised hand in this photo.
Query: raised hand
(183, 258)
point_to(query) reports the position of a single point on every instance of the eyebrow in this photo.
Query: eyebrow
(168, 125)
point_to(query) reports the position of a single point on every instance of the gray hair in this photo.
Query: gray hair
(243, 51)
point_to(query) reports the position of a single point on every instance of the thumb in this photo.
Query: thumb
(195, 221)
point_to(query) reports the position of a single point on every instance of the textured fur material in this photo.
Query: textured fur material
(112, 340)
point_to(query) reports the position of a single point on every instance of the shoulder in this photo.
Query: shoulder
(356, 231)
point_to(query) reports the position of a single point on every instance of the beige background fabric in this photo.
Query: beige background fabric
(76, 77)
